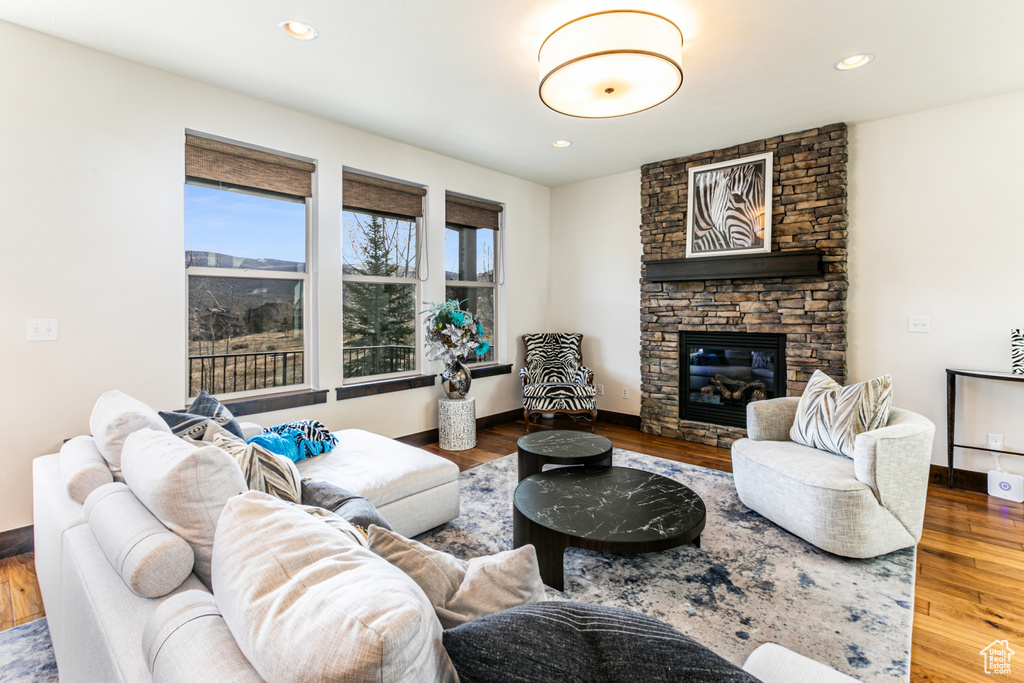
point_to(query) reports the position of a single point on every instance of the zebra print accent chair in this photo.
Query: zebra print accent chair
(554, 379)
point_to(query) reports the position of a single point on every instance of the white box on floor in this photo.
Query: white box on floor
(1005, 485)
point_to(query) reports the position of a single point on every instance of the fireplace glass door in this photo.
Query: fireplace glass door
(723, 372)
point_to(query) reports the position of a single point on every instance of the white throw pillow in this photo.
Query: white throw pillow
(83, 468)
(184, 486)
(830, 416)
(151, 560)
(461, 591)
(114, 417)
(306, 603)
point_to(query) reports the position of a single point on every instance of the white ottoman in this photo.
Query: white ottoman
(412, 489)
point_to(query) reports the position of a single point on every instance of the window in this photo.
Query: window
(246, 250)
(380, 245)
(471, 260)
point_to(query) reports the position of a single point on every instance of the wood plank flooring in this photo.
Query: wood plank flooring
(970, 562)
(20, 601)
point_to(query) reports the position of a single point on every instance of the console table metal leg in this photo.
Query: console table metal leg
(950, 425)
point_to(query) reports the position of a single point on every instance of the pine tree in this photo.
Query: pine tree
(378, 314)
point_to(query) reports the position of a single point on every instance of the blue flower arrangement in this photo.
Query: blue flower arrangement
(452, 334)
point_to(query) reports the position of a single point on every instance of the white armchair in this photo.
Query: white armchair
(867, 506)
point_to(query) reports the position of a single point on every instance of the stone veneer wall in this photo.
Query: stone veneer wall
(808, 210)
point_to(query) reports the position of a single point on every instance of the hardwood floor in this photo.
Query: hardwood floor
(20, 601)
(970, 562)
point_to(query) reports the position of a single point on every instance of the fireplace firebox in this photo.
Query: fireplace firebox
(721, 372)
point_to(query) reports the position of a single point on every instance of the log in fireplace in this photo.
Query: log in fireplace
(721, 372)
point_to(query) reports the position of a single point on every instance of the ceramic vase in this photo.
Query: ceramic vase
(455, 380)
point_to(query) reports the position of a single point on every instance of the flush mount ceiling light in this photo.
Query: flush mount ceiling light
(854, 61)
(562, 143)
(298, 30)
(611, 64)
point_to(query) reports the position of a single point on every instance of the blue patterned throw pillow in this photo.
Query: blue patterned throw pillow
(310, 437)
(192, 422)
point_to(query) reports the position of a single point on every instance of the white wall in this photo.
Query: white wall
(595, 280)
(91, 218)
(937, 229)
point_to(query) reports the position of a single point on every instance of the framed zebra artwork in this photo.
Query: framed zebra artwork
(729, 208)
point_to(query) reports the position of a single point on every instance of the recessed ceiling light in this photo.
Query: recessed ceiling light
(562, 143)
(854, 61)
(298, 30)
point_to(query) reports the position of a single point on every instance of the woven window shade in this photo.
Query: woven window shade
(471, 213)
(386, 196)
(226, 163)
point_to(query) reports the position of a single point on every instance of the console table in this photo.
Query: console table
(951, 376)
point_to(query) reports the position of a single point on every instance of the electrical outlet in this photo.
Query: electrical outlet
(995, 442)
(920, 323)
(42, 330)
(600, 389)
(625, 392)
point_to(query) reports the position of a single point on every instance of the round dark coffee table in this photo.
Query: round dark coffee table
(607, 509)
(561, 447)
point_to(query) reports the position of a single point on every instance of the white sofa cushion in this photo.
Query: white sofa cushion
(187, 640)
(114, 417)
(151, 560)
(461, 590)
(307, 603)
(775, 664)
(83, 468)
(378, 468)
(184, 486)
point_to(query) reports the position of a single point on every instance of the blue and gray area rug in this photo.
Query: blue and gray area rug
(749, 583)
(26, 655)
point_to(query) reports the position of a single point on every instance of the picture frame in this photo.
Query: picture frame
(729, 207)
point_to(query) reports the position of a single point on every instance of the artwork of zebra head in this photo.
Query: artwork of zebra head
(729, 208)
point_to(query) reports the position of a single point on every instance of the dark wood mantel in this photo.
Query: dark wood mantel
(791, 263)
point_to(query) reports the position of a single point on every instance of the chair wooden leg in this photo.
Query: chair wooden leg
(593, 421)
(526, 419)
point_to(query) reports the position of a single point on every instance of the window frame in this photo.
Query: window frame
(310, 364)
(418, 358)
(483, 284)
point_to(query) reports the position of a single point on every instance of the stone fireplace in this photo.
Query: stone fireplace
(797, 292)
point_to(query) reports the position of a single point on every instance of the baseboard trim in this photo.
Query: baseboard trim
(962, 479)
(16, 541)
(430, 436)
(623, 419)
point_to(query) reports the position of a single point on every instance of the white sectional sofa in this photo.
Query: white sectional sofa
(96, 621)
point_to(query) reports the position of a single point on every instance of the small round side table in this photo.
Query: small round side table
(456, 423)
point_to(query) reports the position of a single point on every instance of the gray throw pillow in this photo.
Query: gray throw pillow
(576, 641)
(347, 505)
(192, 422)
(461, 590)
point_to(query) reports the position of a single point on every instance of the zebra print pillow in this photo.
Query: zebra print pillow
(263, 471)
(830, 416)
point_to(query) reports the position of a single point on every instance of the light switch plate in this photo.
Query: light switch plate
(920, 323)
(42, 329)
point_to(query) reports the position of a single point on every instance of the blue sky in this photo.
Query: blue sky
(244, 225)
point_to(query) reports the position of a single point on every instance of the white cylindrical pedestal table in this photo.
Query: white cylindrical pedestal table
(456, 423)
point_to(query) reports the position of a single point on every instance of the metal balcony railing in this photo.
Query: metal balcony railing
(228, 372)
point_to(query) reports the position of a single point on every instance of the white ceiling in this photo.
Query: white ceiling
(459, 77)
